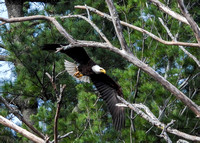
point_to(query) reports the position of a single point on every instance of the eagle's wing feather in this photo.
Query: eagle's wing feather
(72, 68)
(109, 90)
(78, 54)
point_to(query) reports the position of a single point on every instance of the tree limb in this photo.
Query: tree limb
(20, 130)
(190, 20)
(41, 17)
(59, 100)
(104, 15)
(92, 24)
(117, 24)
(170, 12)
(150, 117)
(63, 136)
(181, 47)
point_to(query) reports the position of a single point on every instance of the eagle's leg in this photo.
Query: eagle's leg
(78, 74)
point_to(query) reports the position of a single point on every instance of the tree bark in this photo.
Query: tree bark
(20, 130)
(27, 106)
(14, 8)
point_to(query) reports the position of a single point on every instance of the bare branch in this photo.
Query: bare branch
(88, 12)
(164, 133)
(155, 121)
(170, 12)
(181, 47)
(20, 117)
(52, 82)
(117, 24)
(59, 100)
(63, 136)
(190, 20)
(20, 130)
(182, 141)
(92, 24)
(104, 15)
(41, 17)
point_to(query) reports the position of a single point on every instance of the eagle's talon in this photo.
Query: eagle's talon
(78, 74)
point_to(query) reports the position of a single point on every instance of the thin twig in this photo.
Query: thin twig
(92, 24)
(59, 100)
(52, 81)
(164, 134)
(181, 47)
(88, 12)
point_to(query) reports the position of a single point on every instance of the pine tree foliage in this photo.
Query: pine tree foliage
(82, 111)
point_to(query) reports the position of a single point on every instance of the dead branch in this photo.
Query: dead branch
(59, 100)
(117, 25)
(170, 12)
(92, 24)
(181, 47)
(41, 17)
(52, 81)
(63, 136)
(164, 133)
(190, 20)
(20, 130)
(104, 15)
(150, 117)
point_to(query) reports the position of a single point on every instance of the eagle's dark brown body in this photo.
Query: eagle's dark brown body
(107, 87)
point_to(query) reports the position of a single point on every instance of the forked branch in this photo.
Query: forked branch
(150, 117)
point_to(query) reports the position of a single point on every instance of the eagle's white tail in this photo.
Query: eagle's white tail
(72, 69)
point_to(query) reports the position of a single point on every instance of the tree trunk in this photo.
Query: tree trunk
(14, 8)
(27, 105)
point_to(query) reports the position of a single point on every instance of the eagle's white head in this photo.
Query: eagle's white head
(97, 69)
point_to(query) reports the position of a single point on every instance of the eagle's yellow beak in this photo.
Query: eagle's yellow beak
(103, 71)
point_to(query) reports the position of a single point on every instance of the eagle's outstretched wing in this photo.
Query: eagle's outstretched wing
(78, 54)
(109, 90)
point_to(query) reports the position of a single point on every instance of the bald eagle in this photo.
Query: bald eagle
(85, 70)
